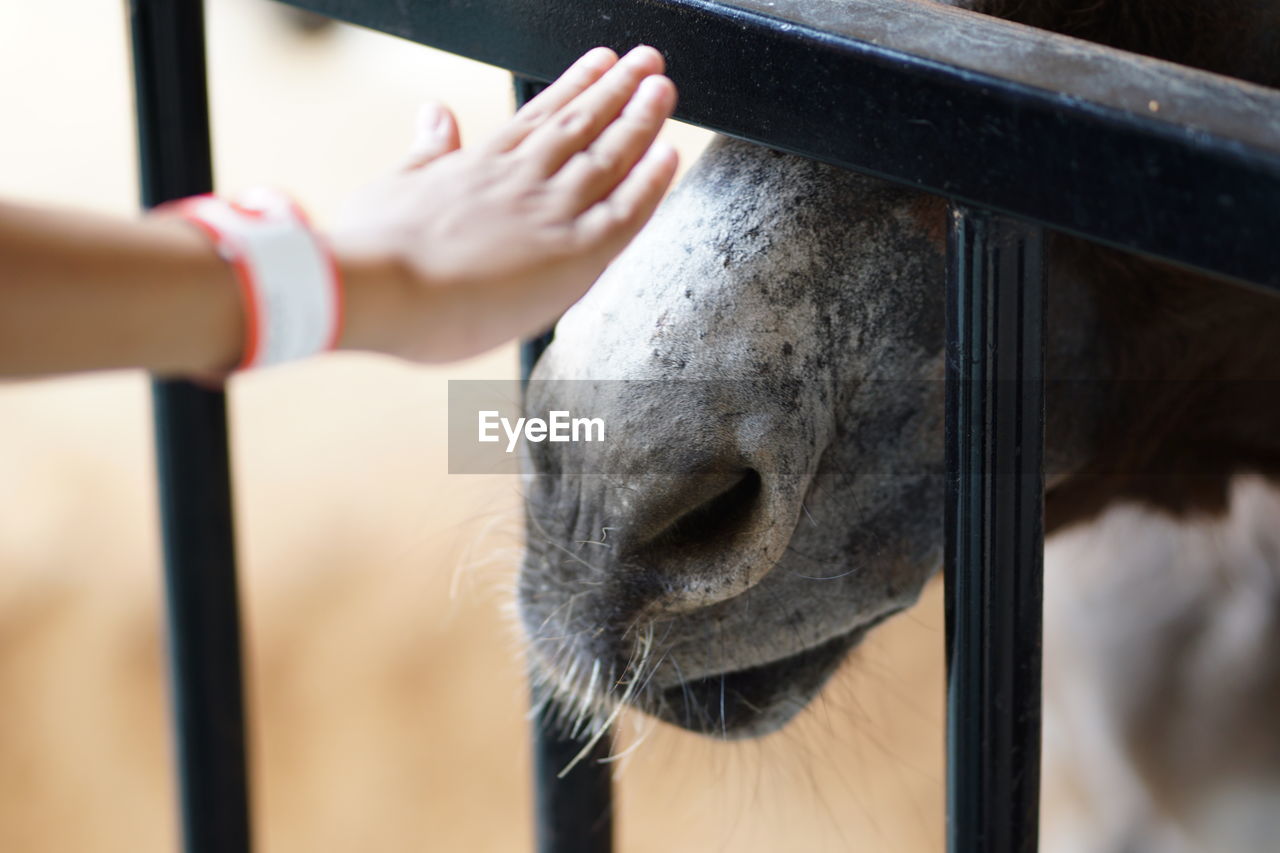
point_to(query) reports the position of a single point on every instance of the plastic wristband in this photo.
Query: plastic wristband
(289, 281)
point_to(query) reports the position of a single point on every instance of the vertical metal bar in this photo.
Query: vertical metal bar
(994, 530)
(192, 459)
(573, 813)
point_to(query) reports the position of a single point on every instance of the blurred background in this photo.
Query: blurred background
(386, 698)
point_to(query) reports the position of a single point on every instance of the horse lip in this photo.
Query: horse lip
(756, 700)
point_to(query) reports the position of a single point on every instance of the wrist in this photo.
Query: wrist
(201, 284)
(378, 302)
(290, 287)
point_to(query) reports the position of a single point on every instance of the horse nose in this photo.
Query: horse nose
(687, 503)
(697, 538)
(676, 536)
(710, 512)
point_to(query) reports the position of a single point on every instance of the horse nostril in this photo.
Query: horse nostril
(715, 521)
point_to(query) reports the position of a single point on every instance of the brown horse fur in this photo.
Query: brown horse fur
(1192, 363)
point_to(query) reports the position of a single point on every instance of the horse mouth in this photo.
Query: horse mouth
(754, 701)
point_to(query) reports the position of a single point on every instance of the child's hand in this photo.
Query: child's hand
(467, 248)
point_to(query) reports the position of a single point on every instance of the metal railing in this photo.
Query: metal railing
(1020, 129)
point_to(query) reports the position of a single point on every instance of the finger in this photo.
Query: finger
(576, 79)
(435, 134)
(612, 222)
(580, 121)
(592, 174)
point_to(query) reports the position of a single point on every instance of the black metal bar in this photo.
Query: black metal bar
(192, 459)
(994, 530)
(531, 349)
(203, 620)
(573, 814)
(1141, 154)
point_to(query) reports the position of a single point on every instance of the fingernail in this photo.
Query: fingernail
(651, 88)
(646, 94)
(594, 60)
(596, 56)
(660, 149)
(429, 116)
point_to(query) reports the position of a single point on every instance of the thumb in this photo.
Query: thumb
(435, 134)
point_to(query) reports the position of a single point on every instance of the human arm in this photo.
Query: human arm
(453, 254)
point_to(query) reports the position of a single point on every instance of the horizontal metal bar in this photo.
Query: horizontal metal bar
(1126, 150)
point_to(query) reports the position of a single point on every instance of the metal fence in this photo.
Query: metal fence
(1020, 129)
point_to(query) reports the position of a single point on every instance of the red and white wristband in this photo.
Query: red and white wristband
(288, 278)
